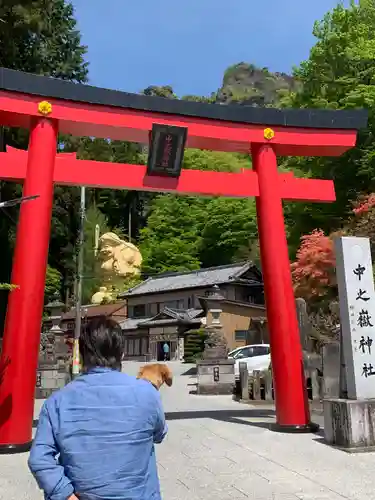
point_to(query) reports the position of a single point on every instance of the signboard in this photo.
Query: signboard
(166, 150)
(38, 379)
(357, 313)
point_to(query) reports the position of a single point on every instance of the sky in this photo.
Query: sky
(189, 44)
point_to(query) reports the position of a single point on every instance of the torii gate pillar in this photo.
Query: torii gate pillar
(292, 412)
(20, 350)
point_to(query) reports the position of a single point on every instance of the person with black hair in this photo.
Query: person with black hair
(95, 437)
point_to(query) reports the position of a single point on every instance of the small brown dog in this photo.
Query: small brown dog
(157, 374)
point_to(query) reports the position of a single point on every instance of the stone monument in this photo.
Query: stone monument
(311, 359)
(303, 323)
(350, 423)
(215, 371)
(119, 260)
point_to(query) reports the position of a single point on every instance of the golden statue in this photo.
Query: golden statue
(102, 296)
(119, 260)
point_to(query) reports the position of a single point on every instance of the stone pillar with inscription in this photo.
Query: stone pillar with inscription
(215, 371)
(350, 423)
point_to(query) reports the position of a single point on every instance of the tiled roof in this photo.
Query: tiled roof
(169, 315)
(94, 310)
(190, 279)
(132, 323)
(166, 316)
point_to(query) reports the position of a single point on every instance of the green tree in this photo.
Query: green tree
(40, 37)
(170, 240)
(64, 233)
(194, 345)
(183, 233)
(91, 270)
(197, 98)
(53, 284)
(230, 229)
(160, 91)
(339, 74)
(196, 159)
(121, 207)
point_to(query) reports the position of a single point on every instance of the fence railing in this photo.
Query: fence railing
(258, 385)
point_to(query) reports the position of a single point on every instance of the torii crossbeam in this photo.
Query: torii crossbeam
(47, 106)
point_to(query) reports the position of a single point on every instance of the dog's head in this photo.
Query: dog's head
(157, 374)
(166, 374)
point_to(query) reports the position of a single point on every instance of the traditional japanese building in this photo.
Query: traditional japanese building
(165, 307)
(116, 311)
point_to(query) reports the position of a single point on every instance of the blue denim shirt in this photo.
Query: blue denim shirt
(95, 438)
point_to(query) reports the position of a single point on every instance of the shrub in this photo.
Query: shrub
(194, 345)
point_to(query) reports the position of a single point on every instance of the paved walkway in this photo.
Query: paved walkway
(219, 449)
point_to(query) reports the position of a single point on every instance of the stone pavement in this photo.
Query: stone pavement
(217, 448)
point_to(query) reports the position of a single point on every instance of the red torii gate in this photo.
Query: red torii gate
(47, 106)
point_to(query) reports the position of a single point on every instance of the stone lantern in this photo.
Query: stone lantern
(56, 349)
(55, 310)
(52, 370)
(215, 344)
(215, 371)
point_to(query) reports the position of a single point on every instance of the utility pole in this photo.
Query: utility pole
(96, 243)
(130, 222)
(77, 331)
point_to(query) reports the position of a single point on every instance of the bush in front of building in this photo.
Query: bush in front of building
(194, 345)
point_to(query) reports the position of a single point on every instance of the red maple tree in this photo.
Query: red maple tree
(364, 205)
(363, 222)
(313, 271)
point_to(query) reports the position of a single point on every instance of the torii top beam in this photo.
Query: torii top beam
(82, 110)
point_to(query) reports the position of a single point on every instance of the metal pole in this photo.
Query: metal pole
(130, 221)
(77, 331)
(97, 236)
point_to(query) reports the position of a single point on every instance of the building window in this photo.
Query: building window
(172, 304)
(130, 347)
(137, 345)
(144, 346)
(139, 311)
(251, 299)
(180, 304)
(240, 335)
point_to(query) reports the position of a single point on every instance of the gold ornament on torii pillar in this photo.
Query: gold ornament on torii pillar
(119, 260)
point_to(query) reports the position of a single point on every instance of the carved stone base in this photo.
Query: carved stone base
(50, 378)
(350, 424)
(215, 376)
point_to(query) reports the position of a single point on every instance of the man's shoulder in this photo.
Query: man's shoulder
(113, 378)
(138, 393)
